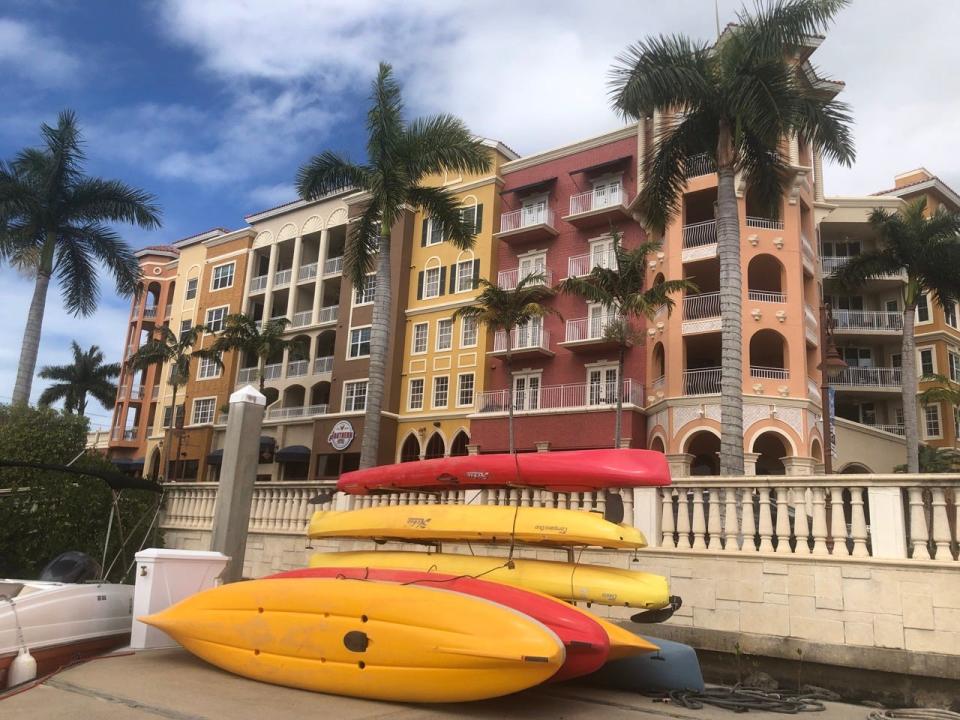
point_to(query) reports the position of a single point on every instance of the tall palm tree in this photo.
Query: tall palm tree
(177, 351)
(55, 222)
(734, 101)
(86, 375)
(927, 249)
(505, 310)
(399, 157)
(240, 332)
(622, 289)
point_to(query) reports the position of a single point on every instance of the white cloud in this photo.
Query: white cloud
(34, 55)
(268, 196)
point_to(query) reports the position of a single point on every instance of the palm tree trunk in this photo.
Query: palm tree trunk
(379, 342)
(731, 334)
(509, 363)
(168, 440)
(82, 403)
(261, 368)
(908, 384)
(618, 424)
(31, 333)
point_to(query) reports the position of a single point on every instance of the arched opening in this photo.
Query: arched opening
(410, 450)
(855, 469)
(765, 279)
(705, 448)
(155, 464)
(657, 445)
(759, 214)
(659, 279)
(659, 361)
(772, 448)
(272, 395)
(459, 445)
(294, 396)
(816, 451)
(435, 447)
(320, 395)
(151, 300)
(698, 207)
(768, 356)
(326, 341)
(701, 371)
(299, 358)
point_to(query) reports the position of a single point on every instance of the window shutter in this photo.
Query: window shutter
(423, 236)
(443, 278)
(420, 285)
(478, 220)
(476, 273)
(453, 278)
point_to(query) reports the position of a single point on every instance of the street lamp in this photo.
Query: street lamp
(830, 364)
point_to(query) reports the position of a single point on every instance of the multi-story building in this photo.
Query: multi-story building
(444, 361)
(137, 392)
(868, 322)
(558, 208)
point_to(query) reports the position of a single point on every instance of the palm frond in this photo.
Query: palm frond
(445, 209)
(329, 172)
(107, 247)
(442, 143)
(385, 118)
(77, 275)
(827, 125)
(97, 200)
(54, 393)
(363, 241)
(866, 266)
(765, 172)
(780, 26)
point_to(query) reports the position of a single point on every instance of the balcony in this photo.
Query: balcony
(302, 319)
(307, 272)
(867, 322)
(297, 412)
(769, 373)
(580, 265)
(832, 263)
(125, 434)
(328, 314)
(555, 397)
(590, 331)
(282, 278)
(247, 375)
(526, 341)
(699, 165)
(597, 207)
(766, 296)
(259, 283)
(764, 223)
(333, 266)
(155, 393)
(323, 365)
(272, 371)
(701, 313)
(868, 378)
(137, 392)
(297, 368)
(811, 324)
(702, 381)
(149, 312)
(527, 225)
(509, 279)
(806, 249)
(699, 241)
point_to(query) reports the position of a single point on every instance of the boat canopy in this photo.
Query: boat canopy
(116, 480)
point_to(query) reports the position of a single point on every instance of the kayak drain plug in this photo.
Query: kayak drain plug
(356, 641)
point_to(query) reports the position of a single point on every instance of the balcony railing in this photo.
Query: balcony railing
(871, 320)
(525, 217)
(766, 296)
(301, 319)
(589, 328)
(882, 377)
(832, 263)
(296, 412)
(894, 429)
(137, 392)
(258, 283)
(764, 223)
(704, 305)
(700, 234)
(529, 338)
(328, 314)
(273, 371)
(509, 279)
(580, 265)
(247, 375)
(701, 164)
(769, 373)
(332, 266)
(323, 365)
(282, 278)
(596, 199)
(307, 272)
(555, 397)
(297, 368)
(155, 392)
(702, 381)
(150, 311)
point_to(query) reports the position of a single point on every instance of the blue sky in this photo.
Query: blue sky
(212, 104)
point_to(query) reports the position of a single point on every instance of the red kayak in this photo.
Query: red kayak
(565, 471)
(586, 642)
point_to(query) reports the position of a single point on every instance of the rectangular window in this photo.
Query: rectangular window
(465, 276)
(223, 276)
(434, 236)
(216, 319)
(364, 295)
(185, 327)
(416, 394)
(465, 390)
(954, 360)
(420, 333)
(192, 288)
(950, 314)
(931, 421)
(441, 391)
(927, 366)
(468, 332)
(360, 342)
(168, 411)
(203, 410)
(526, 392)
(444, 334)
(355, 396)
(472, 215)
(606, 193)
(208, 369)
(923, 309)
(602, 383)
(431, 282)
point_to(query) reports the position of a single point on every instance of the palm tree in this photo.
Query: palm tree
(734, 101)
(399, 157)
(504, 311)
(240, 332)
(87, 375)
(177, 351)
(945, 391)
(934, 460)
(623, 290)
(54, 221)
(927, 249)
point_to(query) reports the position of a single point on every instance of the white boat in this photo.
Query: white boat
(60, 622)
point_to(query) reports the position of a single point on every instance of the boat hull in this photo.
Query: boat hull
(566, 581)
(563, 471)
(367, 639)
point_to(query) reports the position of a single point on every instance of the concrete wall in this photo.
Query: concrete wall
(877, 451)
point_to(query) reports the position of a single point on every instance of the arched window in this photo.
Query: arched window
(410, 450)
(435, 447)
(459, 445)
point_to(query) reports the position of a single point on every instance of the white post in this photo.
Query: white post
(646, 514)
(888, 532)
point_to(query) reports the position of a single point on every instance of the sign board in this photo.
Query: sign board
(341, 436)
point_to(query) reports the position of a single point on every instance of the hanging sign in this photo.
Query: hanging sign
(341, 436)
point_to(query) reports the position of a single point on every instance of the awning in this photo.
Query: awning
(293, 453)
(128, 463)
(530, 187)
(606, 164)
(216, 456)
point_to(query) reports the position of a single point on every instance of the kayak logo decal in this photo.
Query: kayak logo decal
(418, 522)
(559, 529)
(477, 475)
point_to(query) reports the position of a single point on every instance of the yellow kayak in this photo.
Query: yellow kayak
(365, 639)
(567, 581)
(476, 523)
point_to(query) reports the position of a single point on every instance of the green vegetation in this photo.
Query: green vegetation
(87, 375)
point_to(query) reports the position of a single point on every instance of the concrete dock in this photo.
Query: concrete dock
(172, 684)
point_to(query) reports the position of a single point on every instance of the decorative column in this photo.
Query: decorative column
(817, 175)
(679, 464)
(294, 275)
(268, 290)
(795, 466)
(750, 463)
(318, 287)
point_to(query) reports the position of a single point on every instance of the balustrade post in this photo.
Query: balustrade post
(683, 520)
(699, 524)
(888, 532)
(730, 528)
(941, 526)
(919, 534)
(819, 522)
(713, 520)
(859, 523)
(666, 517)
(783, 521)
(766, 521)
(748, 526)
(801, 526)
(838, 523)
